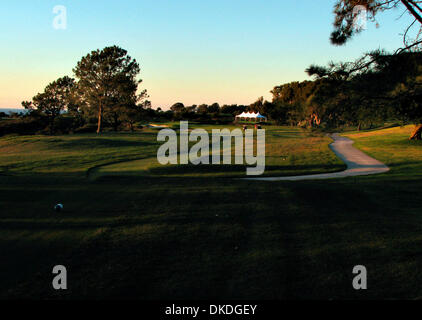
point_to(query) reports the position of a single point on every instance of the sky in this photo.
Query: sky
(203, 51)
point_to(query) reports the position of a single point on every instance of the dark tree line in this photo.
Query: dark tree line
(105, 93)
(400, 71)
(213, 113)
(105, 90)
(376, 87)
(373, 89)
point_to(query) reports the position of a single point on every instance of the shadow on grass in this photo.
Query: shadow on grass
(86, 143)
(192, 238)
(229, 171)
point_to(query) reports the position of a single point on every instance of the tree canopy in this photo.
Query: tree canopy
(55, 99)
(346, 13)
(107, 81)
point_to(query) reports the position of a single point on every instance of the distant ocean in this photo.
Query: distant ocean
(13, 110)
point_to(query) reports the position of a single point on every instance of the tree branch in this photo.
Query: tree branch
(398, 51)
(412, 10)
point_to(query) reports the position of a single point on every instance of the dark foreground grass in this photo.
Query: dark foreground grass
(195, 237)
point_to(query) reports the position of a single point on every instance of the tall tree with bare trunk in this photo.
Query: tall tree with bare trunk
(107, 80)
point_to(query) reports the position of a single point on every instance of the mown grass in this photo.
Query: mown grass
(289, 151)
(392, 147)
(71, 154)
(173, 237)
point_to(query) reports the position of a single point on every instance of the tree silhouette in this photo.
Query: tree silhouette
(107, 80)
(54, 99)
(346, 12)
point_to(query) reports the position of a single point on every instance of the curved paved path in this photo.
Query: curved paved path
(358, 163)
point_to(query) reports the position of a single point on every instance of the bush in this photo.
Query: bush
(65, 124)
(24, 126)
(88, 128)
(225, 120)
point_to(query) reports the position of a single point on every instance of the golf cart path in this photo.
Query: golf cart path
(358, 163)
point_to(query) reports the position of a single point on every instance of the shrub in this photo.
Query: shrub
(67, 123)
(88, 128)
(24, 126)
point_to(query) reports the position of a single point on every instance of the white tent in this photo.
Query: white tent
(251, 115)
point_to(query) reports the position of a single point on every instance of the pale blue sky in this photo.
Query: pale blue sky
(226, 51)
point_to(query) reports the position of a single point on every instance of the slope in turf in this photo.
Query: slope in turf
(289, 151)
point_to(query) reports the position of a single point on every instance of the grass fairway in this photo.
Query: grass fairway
(289, 151)
(131, 230)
